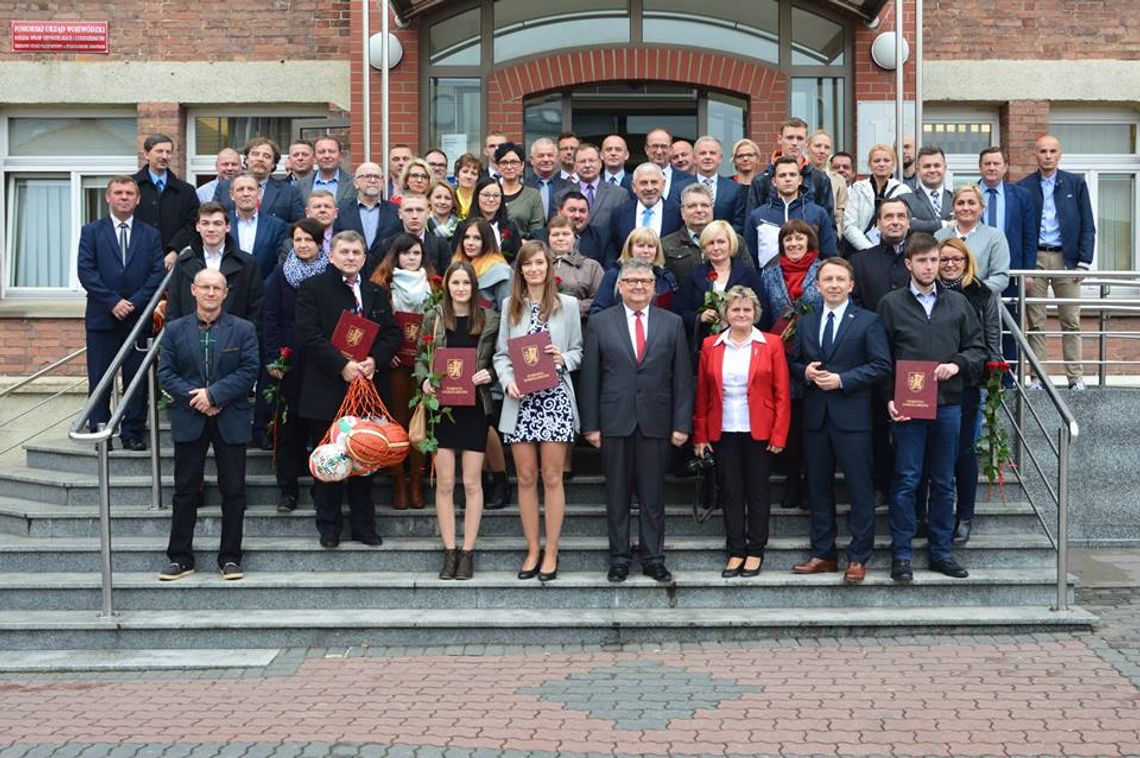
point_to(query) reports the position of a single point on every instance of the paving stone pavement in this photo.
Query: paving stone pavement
(960, 695)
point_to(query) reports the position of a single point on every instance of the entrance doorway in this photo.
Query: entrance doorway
(632, 109)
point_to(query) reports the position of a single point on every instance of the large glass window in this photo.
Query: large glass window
(455, 40)
(821, 102)
(524, 27)
(1095, 138)
(71, 136)
(542, 117)
(816, 41)
(726, 118)
(1115, 220)
(964, 137)
(456, 123)
(212, 133)
(749, 29)
(40, 231)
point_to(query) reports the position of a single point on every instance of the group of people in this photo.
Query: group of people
(756, 318)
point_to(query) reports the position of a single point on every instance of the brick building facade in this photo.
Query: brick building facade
(295, 68)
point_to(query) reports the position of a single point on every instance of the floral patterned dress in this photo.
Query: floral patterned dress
(546, 416)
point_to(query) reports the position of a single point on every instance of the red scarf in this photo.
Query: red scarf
(795, 273)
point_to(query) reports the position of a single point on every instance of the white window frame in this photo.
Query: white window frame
(75, 168)
(1092, 165)
(302, 116)
(964, 164)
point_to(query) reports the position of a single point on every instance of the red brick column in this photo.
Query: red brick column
(1022, 122)
(170, 119)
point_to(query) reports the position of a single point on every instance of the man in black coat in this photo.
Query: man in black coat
(840, 353)
(215, 248)
(635, 399)
(167, 203)
(278, 198)
(369, 215)
(321, 300)
(414, 211)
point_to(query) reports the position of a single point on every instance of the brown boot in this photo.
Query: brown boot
(399, 489)
(415, 482)
(450, 561)
(466, 566)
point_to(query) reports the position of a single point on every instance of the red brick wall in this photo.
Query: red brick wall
(1022, 122)
(30, 344)
(211, 30)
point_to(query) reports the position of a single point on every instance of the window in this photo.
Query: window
(524, 27)
(749, 29)
(1095, 138)
(967, 138)
(55, 170)
(1115, 221)
(207, 133)
(455, 41)
(542, 117)
(456, 123)
(726, 119)
(820, 101)
(816, 41)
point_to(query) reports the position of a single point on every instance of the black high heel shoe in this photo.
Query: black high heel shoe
(544, 576)
(531, 573)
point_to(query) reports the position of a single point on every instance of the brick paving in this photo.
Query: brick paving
(962, 695)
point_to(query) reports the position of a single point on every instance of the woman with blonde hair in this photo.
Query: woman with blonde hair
(988, 245)
(865, 196)
(720, 272)
(539, 426)
(642, 244)
(415, 179)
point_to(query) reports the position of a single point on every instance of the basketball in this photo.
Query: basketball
(330, 463)
(377, 444)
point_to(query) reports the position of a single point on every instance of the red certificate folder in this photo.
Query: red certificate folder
(354, 335)
(456, 366)
(916, 389)
(535, 370)
(409, 327)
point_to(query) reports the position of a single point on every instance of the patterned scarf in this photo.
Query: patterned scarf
(297, 270)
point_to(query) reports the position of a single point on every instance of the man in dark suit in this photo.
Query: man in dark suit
(840, 354)
(542, 174)
(648, 208)
(658, 148)
(329, 176)
(589, 240)
(636, 398)
(728, 196)
(413, 214)
(120, 267)
(615, 154)
(278, 198)
(321, 301)
(167, 203)
(214, 248)
(369, 215)
(602, 198)
(1066, 240)
(209, 364)
(263, 237)
(1008, 208)
(931, 204)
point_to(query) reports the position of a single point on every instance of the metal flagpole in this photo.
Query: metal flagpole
(917, 75)
(384, 97)
(900, 125)
(366, 89)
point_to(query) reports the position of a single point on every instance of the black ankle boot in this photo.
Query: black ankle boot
(500, 494)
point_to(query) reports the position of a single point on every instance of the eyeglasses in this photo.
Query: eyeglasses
(490, 196)
(640, 282)
(424, 177)
(370, 177)
(957, 260)
(512, 163)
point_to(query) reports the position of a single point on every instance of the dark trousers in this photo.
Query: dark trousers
(101, 349)
(292, 455)
(824, 448)
(882, 451)
(328, 497)
(933, 444)
(189, 471)
(965, 467)
(743, 466)
(791, 460)
(635, 464)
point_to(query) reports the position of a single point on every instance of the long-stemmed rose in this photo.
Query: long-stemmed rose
(993, 445)
(273, 395)
(714, 301)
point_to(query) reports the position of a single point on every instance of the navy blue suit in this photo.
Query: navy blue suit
(269, 243)
(837, 424)
(1020, 229)
(1074, 213)
(681, 179)
(348, 217)
(279, 199)
(694, 288)
(625, 220)
(108, 280)
(228, 372)
(731, 199)
(557, 186)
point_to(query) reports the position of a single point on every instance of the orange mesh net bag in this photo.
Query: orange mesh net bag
(375, 441)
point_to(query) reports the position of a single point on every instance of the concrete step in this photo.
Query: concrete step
(23, 518)
(504, 553)
(224, 629)
(500, 589)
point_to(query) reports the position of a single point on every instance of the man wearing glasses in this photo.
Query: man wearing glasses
(636, 399)
(369, 214)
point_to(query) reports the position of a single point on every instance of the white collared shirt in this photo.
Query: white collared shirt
(355, 289)
(246, 232)
(839, 313)
(631, 321)
(926, 300)
(214, 258)
(734, 380)
(658, 209)
(668, 173)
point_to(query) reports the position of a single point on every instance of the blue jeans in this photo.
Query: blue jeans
(935, 443)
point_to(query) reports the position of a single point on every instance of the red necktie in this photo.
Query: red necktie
(639, 335)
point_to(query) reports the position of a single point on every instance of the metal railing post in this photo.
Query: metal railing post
(104, 448)
(1063, 435)
(155, 449)
(1102, 340)
(1018, 397)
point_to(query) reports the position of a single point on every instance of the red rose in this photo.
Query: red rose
(558, 281)
(506, 234)
(711, 275)
(428, 339)
(436, 281)
(286, 353)
(997, 366)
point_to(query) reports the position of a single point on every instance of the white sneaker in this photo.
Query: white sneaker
(1078, 385)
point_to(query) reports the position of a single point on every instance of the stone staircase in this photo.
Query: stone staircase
(297, 594)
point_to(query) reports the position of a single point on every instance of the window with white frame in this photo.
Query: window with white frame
(1102, 146)
(961, 134)
(54, 168)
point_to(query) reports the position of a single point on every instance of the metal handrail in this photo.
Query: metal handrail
(43, 372)
(102, 437)
(1067, 435)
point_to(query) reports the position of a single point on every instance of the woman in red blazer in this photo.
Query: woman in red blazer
(744, 406)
